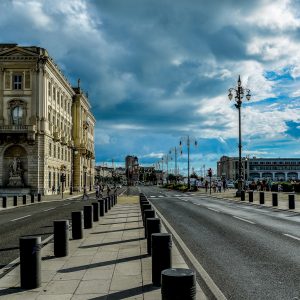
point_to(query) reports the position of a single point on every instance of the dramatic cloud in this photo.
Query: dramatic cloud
(159, 70)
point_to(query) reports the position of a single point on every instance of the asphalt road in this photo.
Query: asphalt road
(33, 220)
(250, 252)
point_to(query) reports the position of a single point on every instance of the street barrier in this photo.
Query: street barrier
(143, 208)
(153, 226)
(77, 228)
(30, 262)
(250, 196)
(242, 195)
(88, 216)
(24, 197)
(291, 201)
(102, 207)
(105, 205)
(261, 197)
(161, 255)
(96, 211)
(108, 202)
(15, 200)
(148, 213)
(32, 198)
(61, 238)
(4, 201)
(274, 199)
(178, 284)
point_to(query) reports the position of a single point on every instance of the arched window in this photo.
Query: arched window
(17, 112)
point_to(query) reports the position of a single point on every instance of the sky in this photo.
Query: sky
(158, 71)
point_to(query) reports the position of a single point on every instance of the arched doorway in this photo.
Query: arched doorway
(15, 166)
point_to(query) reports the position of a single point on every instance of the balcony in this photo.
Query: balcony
(13, 130)
(56, 136)
(64, 140)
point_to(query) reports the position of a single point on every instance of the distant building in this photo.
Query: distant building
(132, 169)
(276, 169)
(46, 125)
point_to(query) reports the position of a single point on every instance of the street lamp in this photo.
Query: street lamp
(239, 92)
(175, 150)
(188, 141)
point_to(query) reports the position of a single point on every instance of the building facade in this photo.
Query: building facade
(132, 169)
(275, 169)
(46, 125)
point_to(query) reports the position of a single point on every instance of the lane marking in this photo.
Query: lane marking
(213, 209)
(66, 204)
(291, 236)
(204, 275)
(243, 220)
(49, 209)
(20, 218)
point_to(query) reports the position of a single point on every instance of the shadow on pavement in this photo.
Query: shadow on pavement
(111, 243)
(102, 264)
(127, 293)
(117, 230)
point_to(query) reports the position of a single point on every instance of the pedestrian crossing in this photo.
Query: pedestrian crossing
(171, 195)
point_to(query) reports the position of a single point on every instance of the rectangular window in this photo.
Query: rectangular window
(54, 151)
(54, 93)
(49, 185)
(49, 88)
(17, 82)
(27, 80)
(50, 149)
(7, 80)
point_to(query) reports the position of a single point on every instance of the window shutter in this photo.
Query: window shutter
(8, 80)
(27, 80)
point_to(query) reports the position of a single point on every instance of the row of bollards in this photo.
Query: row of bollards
(24, 200)
(176, 283)
(291, 198)
(30, 246)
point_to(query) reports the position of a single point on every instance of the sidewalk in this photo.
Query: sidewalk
(282, 199)
(110, 262)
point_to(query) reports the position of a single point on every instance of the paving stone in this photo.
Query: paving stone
(93, 286)
(58, 287)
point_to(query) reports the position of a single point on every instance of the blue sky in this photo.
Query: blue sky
(157, 71)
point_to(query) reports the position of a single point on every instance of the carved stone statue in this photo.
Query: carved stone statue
(15, 173)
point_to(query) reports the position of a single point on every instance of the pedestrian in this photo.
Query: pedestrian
(85, 196)
(108, 190)
(206, 186)
(53, 189)
(97, 191)
(219, 186)
(224, 185)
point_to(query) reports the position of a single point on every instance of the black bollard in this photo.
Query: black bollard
(108, 202)
(153, 226)
(115, 199)
(39, 197)
(101, 205)
(95, 211)
(274, 199)
(148, 213)
(88, 216)
(24, 199)
(15, 200)
(144, 207)
(77, 228)
(261, 198)
(161, 255)
(4, 201)
(111, 201)
(32, 198)
(105, 205)
(61, 238)
(291, 201)
(30, 262)
(242, 195)
(178, 284)
(250, 196)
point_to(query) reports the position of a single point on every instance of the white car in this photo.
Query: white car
(230, 185)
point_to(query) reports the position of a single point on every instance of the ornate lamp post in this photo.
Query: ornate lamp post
(238, 93)
(175, 150)
(188, 141)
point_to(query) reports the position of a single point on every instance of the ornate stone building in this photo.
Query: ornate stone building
(46, 125)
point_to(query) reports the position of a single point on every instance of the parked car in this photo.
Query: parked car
(230, 185)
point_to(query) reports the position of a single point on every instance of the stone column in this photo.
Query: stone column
(1, 96)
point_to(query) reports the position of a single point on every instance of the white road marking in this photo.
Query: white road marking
(291, 236)
(213, 209)
(153, 196)
(20, 218)
(160, 196)
(244, 220)
(49, 209)
(66, 204)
